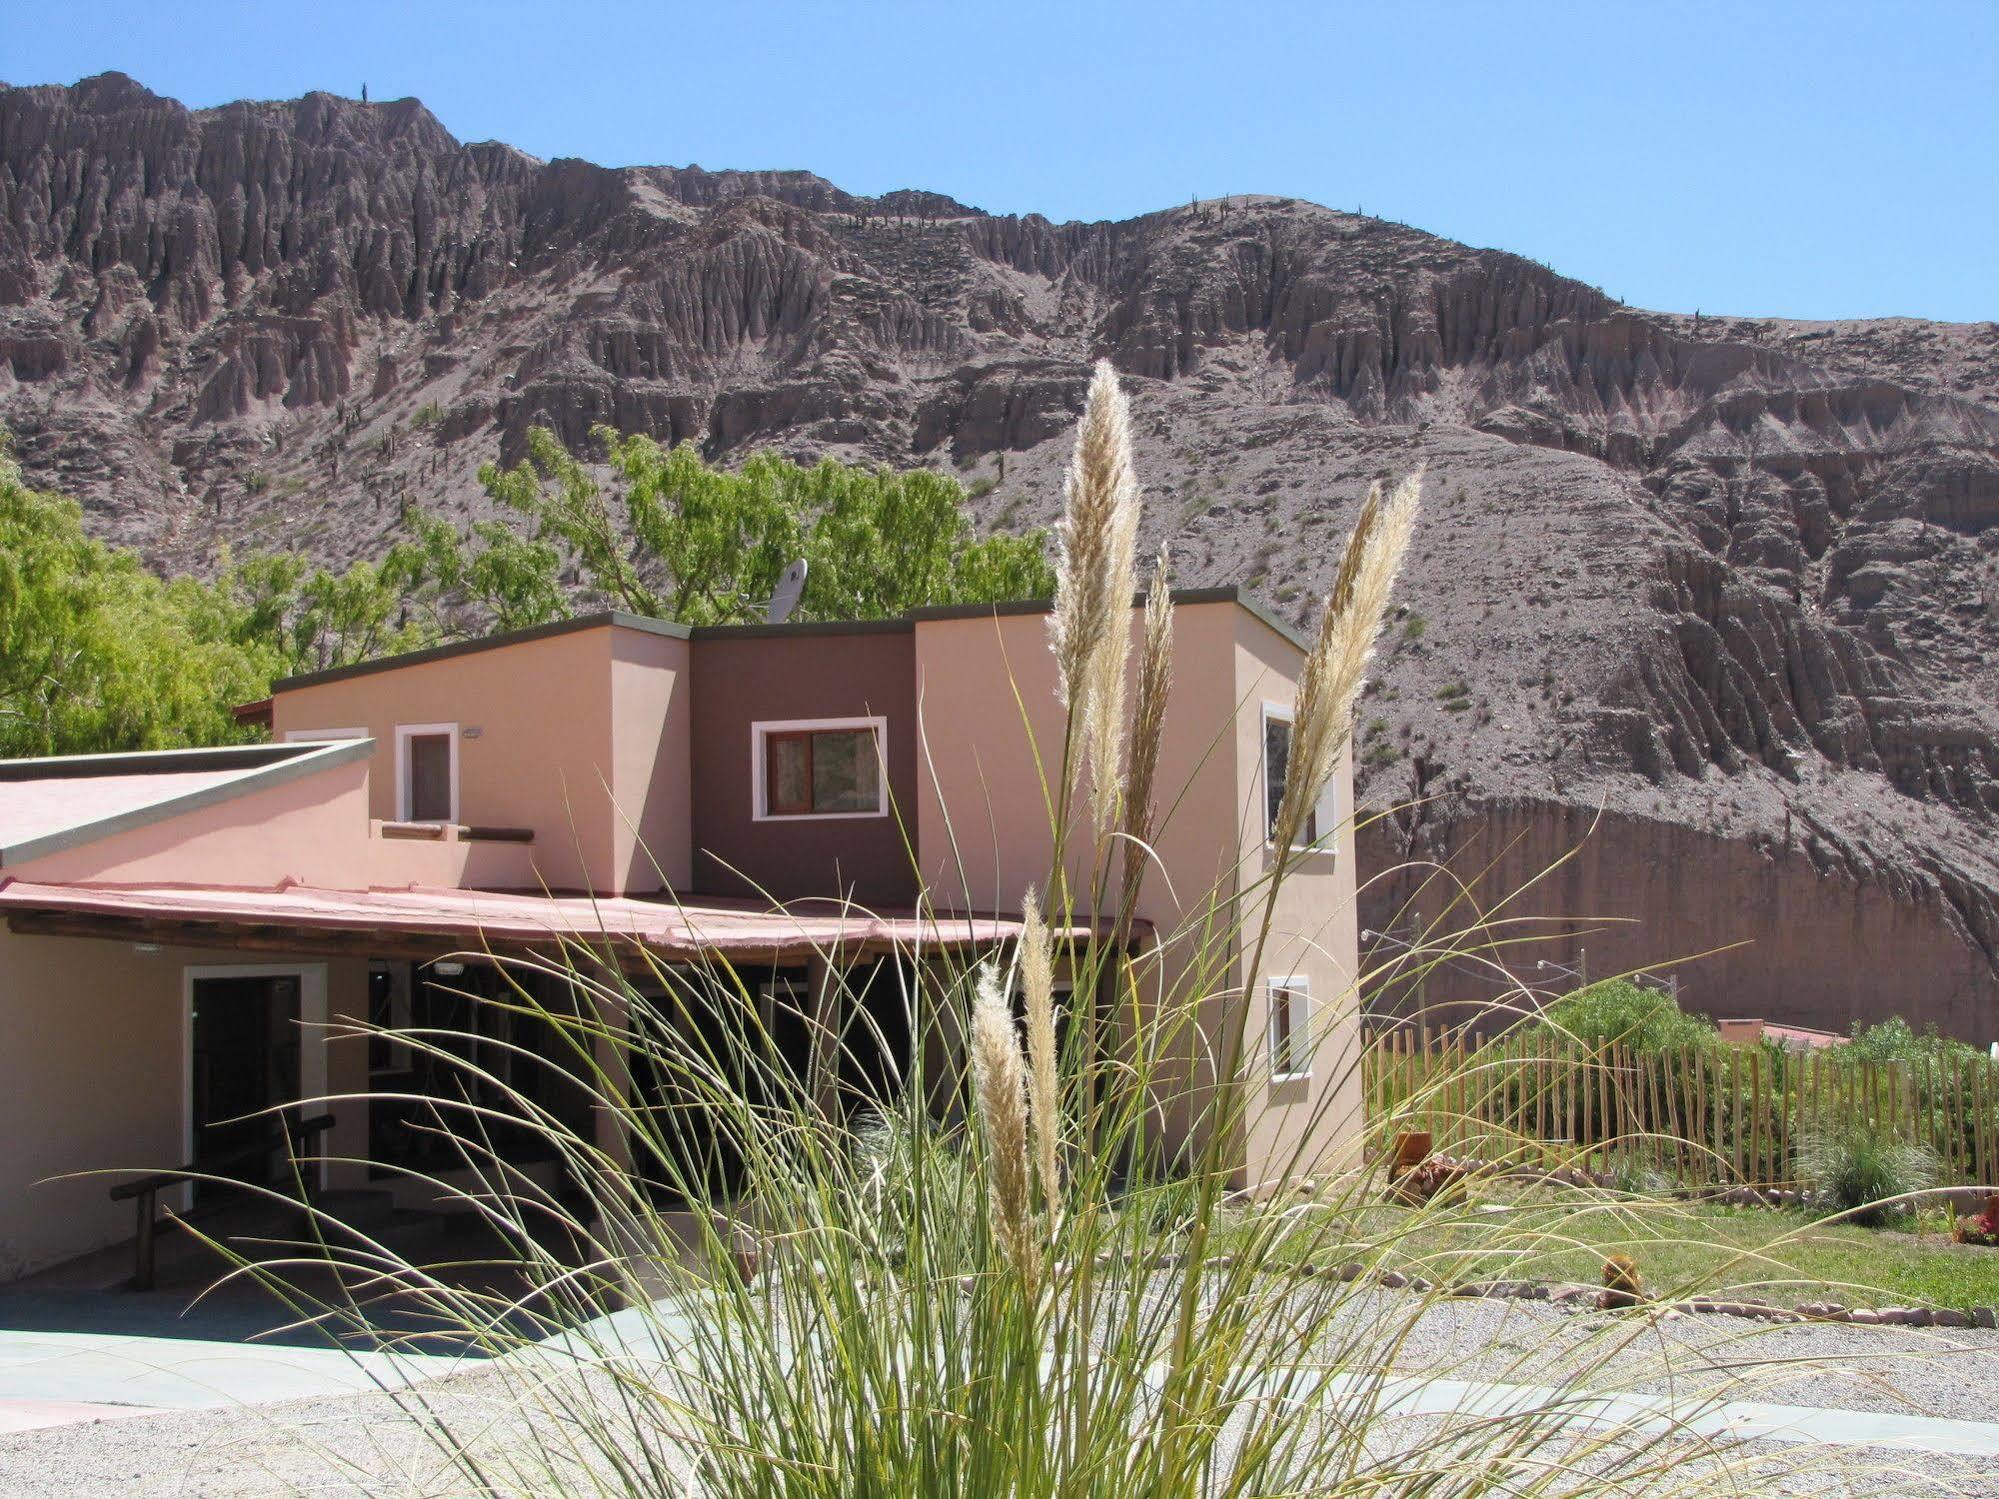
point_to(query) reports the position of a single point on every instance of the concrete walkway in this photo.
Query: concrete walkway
(1733, 1420)
(84, 1356)
(50, 1377)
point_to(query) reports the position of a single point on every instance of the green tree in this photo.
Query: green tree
(306, 618)
(97, 653)
(682, 540)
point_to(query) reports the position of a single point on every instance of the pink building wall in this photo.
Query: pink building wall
(588, 737)
(1314, 1124)
(580, 736)
(989, 713)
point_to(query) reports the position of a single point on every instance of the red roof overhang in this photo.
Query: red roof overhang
(450, 919)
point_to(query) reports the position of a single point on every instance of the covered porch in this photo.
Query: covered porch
(251, 1000)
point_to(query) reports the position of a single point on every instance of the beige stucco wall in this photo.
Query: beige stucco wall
(96, 1079)
(987, 708)
(1296, 1128)
(542, 756)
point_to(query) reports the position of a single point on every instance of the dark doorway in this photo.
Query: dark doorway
(480, 1055)
(696, 1038)
(877, 1037)
(245, 1056)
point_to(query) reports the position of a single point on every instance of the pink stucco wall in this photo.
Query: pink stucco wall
(539, 755)
(311, 828)
(651, 712)
(988, 711)
(1312, 1124)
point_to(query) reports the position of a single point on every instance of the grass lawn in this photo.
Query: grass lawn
(1681, 1249)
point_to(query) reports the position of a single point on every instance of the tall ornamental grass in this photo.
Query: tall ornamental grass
(1007, 1275)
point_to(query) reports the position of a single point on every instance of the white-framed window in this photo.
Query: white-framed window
(320, 736)
(1290, 1000)
(1321, 829)
(818, 768)
(427, 772)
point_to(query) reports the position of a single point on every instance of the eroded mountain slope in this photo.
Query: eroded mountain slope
(1727, 582)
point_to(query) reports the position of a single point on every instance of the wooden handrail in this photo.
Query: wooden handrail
(146, 1189)
(160, 1180)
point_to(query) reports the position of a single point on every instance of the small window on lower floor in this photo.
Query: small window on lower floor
(829, 771)
(1290, 1029)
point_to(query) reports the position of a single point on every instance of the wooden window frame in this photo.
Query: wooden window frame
(1321, 823)
(763, 733)
(772, 742)
(1291, 996)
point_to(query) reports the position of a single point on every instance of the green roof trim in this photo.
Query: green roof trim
(270, 765)
(600, 620)
(606, 619)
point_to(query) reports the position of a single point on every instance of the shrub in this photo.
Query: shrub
(1617, 1010)
(1858, 1166)
(1895, 1040)
(909, 1179)
(1635, 1177)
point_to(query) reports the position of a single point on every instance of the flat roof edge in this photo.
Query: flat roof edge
(1223, 594)
(900, 625)
(143, 762)
(602, 619)
(291, 762)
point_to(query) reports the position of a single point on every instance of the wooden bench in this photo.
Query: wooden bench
(290, 1136)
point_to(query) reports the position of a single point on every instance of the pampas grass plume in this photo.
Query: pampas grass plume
(1044, 1105)
(1095, 579)
(1336, 668)
(1000, 1091)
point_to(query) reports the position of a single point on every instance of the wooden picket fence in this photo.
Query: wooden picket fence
(1699, 1116)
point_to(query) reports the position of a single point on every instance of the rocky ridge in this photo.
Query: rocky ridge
(1712, 599)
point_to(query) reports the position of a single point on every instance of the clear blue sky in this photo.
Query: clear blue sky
(1833, 159)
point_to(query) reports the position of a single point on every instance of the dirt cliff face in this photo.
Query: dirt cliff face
(1731, 580)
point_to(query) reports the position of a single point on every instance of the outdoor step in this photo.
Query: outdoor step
(440, 1194)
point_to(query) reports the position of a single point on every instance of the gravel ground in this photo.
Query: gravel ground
(1929, 1372)
(366, 1445)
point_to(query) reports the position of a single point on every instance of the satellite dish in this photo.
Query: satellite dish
(789, 588)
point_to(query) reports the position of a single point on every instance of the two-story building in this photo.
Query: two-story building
(186, 931)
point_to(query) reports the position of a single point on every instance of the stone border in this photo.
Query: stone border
(1959, 1200)
(1572, 1295)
